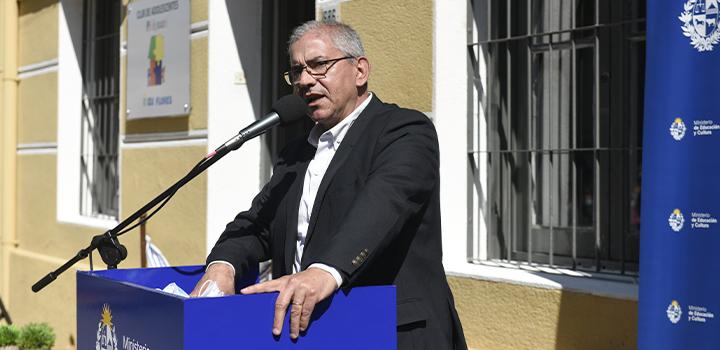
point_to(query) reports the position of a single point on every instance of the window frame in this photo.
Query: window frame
(70, 97)
(504, 48)
(454, 27)
(100, 130)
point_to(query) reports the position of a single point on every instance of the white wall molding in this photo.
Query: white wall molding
(36, 145)
(36, 148)
(165, 136)
(450, 115)
(165, 144)
(235, 180)
(609, 286)
(38, 68)
(36, 151)
(199, 27)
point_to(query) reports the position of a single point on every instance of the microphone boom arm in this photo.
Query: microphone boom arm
(286, 109)
(110, 236)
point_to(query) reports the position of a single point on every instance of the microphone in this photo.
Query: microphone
(287, 109)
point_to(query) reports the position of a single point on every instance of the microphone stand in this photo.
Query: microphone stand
(108, 245)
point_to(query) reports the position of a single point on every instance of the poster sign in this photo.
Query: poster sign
(158, 59)
(679, 302)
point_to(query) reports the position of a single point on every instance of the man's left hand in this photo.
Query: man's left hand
(303, 291)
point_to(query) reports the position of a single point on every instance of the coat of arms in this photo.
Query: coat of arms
(106, 338)
(700, 22)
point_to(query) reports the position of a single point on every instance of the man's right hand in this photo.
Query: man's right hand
(222, 274)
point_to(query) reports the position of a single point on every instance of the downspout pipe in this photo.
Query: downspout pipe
(8, 140)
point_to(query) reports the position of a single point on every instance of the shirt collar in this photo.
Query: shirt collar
(337, 132)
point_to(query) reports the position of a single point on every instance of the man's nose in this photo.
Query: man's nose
(305, 79)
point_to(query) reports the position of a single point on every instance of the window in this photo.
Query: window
(556, 132)
(99, 136)
(276, 32)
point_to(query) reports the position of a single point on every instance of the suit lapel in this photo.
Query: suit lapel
(293, 205)
(352, 137)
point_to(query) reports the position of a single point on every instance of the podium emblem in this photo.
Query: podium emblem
(676, 220)
(106, 338)
(677, 129)
(674, 312)
(700, 22)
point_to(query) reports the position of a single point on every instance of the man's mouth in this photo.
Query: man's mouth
(310, 98)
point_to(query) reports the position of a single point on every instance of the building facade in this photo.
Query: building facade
(538, 107)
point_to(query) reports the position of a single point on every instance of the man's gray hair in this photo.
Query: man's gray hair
(342, 35)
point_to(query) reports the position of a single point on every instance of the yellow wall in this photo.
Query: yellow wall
(37, 227)
(179, 228)
(43, 243)
(37, 31)
(502, 316)
(37, 104)
(40, 242)
(398, 41)
(198, 10)
(198, 83)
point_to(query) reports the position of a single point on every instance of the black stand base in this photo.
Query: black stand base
(3, 313)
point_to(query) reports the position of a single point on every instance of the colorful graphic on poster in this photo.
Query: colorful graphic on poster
(156, 54)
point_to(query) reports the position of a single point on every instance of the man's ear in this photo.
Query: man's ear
(363, 71)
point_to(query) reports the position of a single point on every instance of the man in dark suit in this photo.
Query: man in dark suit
(355, 203)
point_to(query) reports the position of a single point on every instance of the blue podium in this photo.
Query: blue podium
(122, 309)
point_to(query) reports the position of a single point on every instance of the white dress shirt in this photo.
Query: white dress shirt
(326, 144)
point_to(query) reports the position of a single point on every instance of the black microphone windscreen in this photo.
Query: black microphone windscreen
(290, 108)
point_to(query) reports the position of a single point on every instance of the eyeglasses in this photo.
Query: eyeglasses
(317, 69)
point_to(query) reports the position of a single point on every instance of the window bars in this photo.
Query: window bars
(556, 132)
(100, 125)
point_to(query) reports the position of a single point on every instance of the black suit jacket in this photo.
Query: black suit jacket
(376, 218)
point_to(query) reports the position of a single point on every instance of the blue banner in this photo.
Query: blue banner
(680, 236)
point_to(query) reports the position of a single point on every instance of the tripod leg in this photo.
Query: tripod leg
(3, 313)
